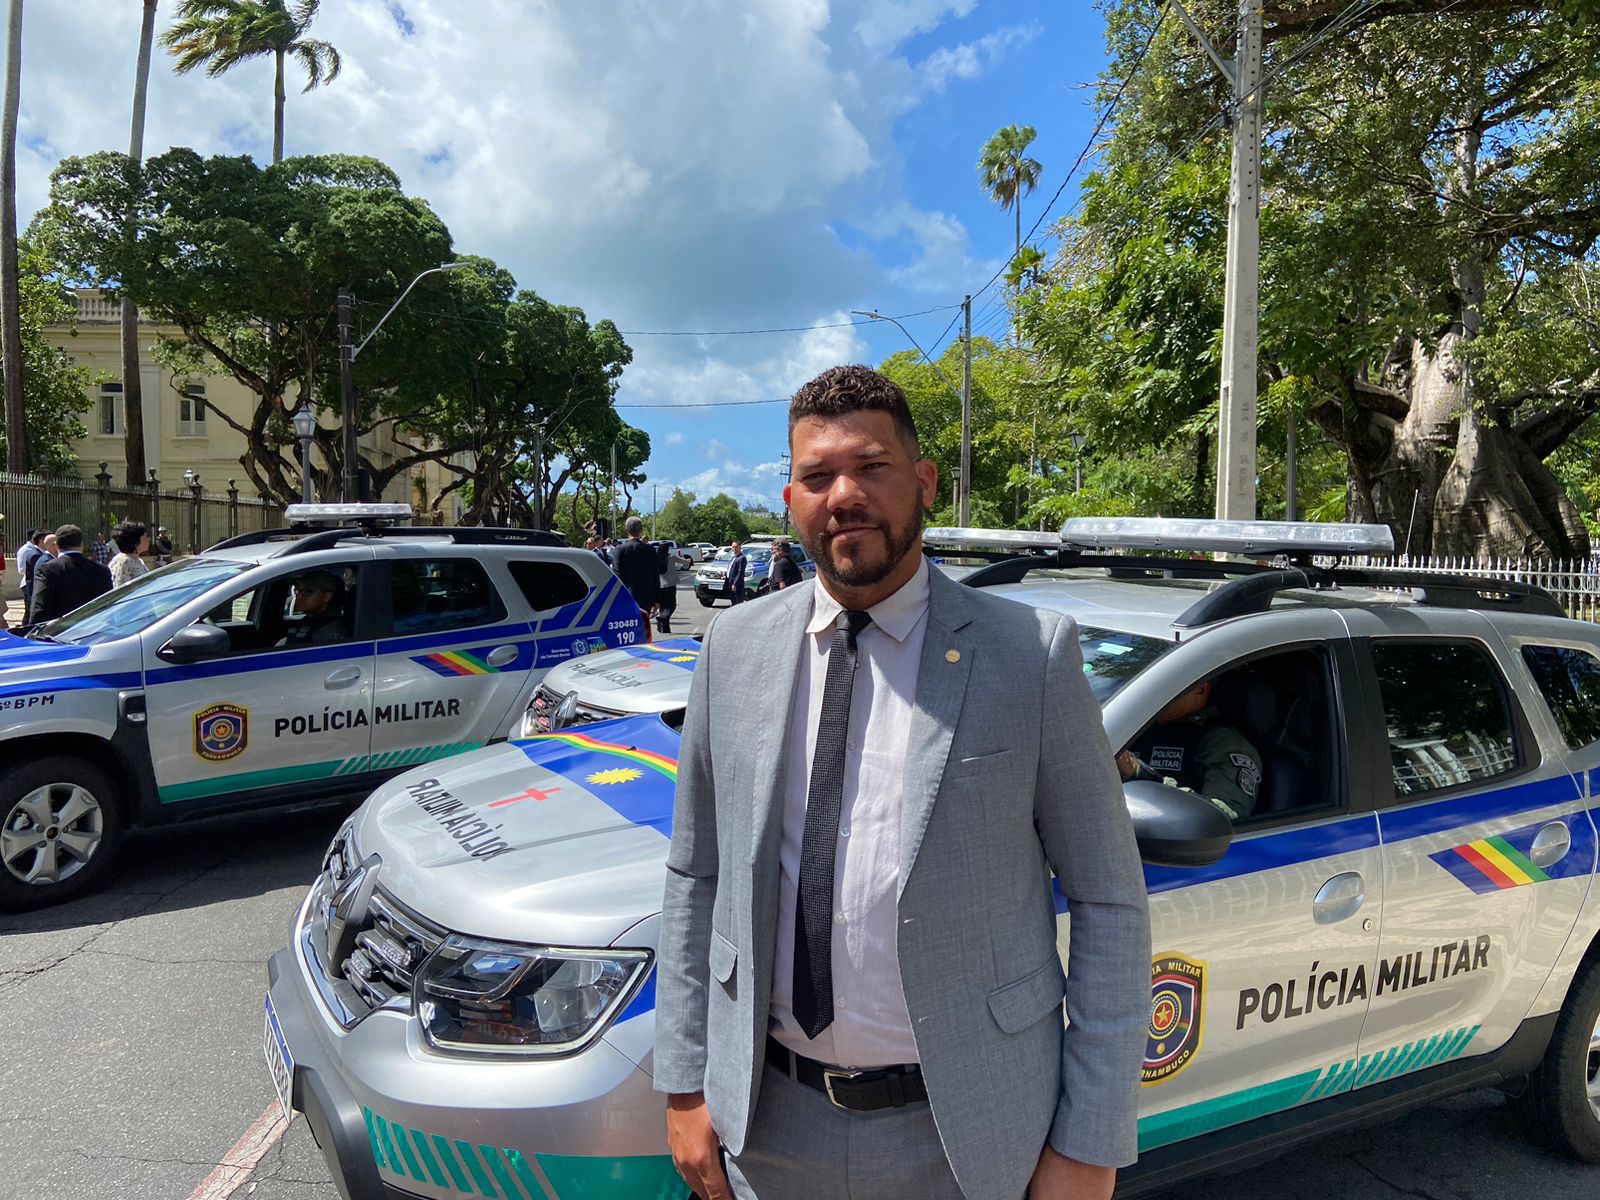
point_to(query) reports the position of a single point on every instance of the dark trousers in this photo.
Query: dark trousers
(666, 605)
(739, 594)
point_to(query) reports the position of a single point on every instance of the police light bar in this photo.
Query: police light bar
(1013, 540)
(1254, 539)
(347, 514)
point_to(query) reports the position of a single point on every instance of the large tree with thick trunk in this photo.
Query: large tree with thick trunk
(1431, 204)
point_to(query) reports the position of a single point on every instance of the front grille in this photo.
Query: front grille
(546, 701)
(390, 946)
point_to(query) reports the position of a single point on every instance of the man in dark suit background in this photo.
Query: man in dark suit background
(638, 570)
(67, 582)
(737, 570)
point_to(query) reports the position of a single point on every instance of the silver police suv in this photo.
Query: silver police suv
(281, 666)
(1366, 802)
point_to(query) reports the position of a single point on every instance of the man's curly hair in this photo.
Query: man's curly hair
(855, 388)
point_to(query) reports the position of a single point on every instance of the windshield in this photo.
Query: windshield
(1111, 658)
(138, 605)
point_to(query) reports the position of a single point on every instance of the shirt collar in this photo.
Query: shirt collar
(897, 615)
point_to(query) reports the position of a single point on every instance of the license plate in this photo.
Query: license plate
(280, 1063)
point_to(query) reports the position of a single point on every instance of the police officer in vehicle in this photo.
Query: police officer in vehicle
(317, 601)
(1191, 744)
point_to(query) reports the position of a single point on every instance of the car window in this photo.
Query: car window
(1569, 680)
(136, 606)
(314, 606)
(549, 585)
(1260, 740)
(433, 594)
(1448, 716)
(1111, 658)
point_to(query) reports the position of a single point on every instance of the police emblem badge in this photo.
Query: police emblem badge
(1177, 1000)
(221, 732)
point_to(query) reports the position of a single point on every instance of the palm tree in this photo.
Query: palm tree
(10, 294)
(132, 399)
(1006, 171)
(221, 34)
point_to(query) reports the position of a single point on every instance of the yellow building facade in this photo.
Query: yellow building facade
(180, 433)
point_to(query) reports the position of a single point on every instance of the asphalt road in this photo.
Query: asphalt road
(131, 1065)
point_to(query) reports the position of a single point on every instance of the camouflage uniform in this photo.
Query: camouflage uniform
(1205, 755)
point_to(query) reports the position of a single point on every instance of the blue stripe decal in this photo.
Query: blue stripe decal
(1421, 819)
(455, 639)
(597, 599)
(663, 652)
(564, 617)
(72, 683)
(28, 652)
(249, 664)
(644, 1002)
(1265, 852)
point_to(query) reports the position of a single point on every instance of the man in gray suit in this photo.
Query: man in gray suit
(879, 772)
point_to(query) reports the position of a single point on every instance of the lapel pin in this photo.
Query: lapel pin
(952, 656)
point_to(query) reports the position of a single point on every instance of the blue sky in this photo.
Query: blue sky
(675, 165)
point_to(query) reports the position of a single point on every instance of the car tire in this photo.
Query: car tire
(706, 601)
(1561, 1105)
(34, 837)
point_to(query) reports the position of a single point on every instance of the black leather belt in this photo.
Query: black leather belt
(856, 1091)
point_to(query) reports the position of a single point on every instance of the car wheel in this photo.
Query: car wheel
(707, 601)
(61, 826)
(1562, 1101)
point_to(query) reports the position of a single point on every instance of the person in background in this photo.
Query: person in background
(66, 582)
(737, 570)
(46, 543)
(101, 550)
(636, 567)
(784, 571)
(672, 568)
(133, 542)
(163, 546)
(31, 548)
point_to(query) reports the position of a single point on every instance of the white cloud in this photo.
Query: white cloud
(675, 438)
(971, 60)
(758, 484)
(708, 374)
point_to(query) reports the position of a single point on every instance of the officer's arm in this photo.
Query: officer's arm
(1083, 821)
(683, 971)
(1231, 767)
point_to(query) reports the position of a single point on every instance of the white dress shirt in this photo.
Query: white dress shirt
(871, 1027)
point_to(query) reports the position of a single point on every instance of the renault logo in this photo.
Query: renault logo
(346, 910)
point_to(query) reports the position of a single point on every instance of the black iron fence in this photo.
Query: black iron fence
(194, 518)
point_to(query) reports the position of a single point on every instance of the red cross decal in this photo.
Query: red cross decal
(532, 793)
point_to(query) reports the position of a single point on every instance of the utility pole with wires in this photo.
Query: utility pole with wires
(1236, 434)
(964, 508)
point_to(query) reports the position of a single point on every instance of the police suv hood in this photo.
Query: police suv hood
(560, 839)
(29, 667)
(652, 678)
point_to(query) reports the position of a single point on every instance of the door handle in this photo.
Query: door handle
(1339, 898)
(1551, 844)
(500, 656)
(342, 678)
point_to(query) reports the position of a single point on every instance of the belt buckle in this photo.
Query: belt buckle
(829, 1074)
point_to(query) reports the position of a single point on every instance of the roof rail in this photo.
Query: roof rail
(461, 535)
(1120, 566)
(1241, 597)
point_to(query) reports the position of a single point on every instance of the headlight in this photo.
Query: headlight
(542, 716)
(483, 997)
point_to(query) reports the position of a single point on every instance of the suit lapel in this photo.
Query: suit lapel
(786, 635)
(941, 690)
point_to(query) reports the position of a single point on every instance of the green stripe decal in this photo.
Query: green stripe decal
(470, 1157)
(492, 1157)
(372, 1136)
(405, 1148)
(530, 1181)
(447, 1156)
(388, 1144)
(1191, 1120)
(223, 785)
(427, 1158)
(1161, 1129)
(642, 1177)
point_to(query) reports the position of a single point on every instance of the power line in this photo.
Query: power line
(708, 403)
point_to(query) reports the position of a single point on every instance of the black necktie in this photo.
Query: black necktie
(813, 925)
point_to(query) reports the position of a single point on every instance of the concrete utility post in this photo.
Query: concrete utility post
(347, 393)
(1236, 437)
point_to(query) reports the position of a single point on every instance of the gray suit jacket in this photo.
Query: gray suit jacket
(1011, 777)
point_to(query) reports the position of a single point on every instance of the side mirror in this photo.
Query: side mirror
(196, 643)
(1176, 828)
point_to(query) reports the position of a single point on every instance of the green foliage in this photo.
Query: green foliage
(718, 520)
(54, 390)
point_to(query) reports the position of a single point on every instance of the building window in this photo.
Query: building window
(192, 411)
(108, 413)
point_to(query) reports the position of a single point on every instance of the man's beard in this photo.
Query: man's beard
(868, 574)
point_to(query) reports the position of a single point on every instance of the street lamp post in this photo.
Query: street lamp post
(305, 428)
(348, 354)
(963, 394)
(1077, 439)
(192, 478)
